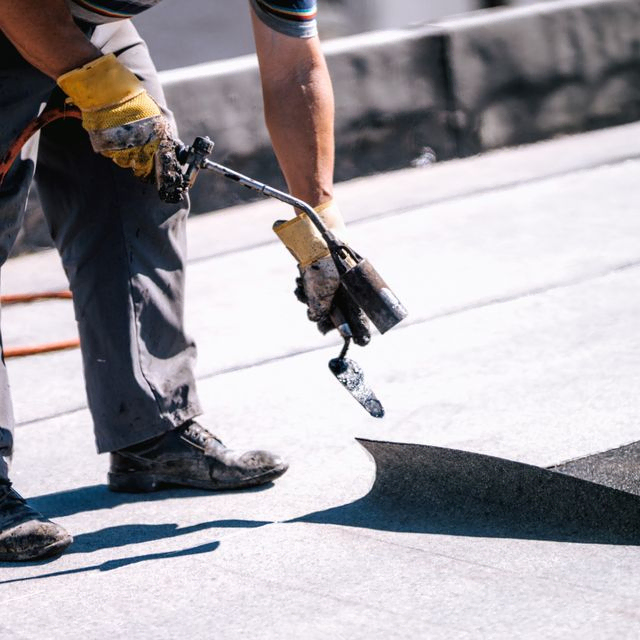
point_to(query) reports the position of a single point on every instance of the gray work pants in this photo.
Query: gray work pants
(122, 250)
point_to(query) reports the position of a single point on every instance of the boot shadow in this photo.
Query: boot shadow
(96, 497)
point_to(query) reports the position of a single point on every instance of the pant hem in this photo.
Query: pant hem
(166, 423)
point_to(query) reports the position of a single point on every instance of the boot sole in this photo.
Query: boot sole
(146, 482)
(49, 551)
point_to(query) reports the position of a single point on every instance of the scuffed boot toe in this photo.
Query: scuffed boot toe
(247, 469)
(25, 534)
(34, 540)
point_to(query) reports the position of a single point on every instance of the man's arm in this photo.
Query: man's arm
(45, 34)
(299, 110)
(298, 102)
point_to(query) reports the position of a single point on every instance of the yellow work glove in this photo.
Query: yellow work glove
(328, 304)
(123, 121)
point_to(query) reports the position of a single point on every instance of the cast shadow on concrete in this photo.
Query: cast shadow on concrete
(124, 535)
(423, 489)
(418, 489)
(97, 497)
(110, 565)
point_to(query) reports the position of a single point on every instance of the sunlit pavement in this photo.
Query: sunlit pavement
(521, 272)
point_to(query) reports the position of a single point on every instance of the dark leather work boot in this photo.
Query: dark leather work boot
(190, 456)
(26, 534)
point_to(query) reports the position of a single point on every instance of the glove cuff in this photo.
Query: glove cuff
(329, 213)
(100, 84)
(302, 238)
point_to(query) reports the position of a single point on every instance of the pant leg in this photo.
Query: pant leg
(23, 90)
(123, 251)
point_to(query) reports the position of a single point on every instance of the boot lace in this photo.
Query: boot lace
(198, 435)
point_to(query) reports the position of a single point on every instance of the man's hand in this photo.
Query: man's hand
(318, 286)
(123, 121)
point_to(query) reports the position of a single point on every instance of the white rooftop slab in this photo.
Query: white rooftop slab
(520, 270)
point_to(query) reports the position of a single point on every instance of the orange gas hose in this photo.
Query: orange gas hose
(18, 298)
(46, 117)
(19, 352)
(47, 347)
(49, 115)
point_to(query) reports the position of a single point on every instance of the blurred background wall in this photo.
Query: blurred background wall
(184, 32)
(423, 79)
(431, 86)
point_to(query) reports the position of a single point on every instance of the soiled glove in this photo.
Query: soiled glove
(318, 285)
(123, 121)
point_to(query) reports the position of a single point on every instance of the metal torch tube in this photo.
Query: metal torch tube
(332, 242)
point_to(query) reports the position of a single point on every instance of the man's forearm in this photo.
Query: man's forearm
(299, 111)
(44, 33)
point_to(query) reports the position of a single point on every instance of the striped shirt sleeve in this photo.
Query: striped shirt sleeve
(101, 11)
(295, 18)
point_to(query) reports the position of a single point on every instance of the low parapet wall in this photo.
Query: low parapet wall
(554, 68)
(457, 87)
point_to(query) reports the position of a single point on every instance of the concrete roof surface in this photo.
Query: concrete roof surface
(521, 271)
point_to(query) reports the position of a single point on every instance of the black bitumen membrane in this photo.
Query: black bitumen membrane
(424, 489)
(617, 468)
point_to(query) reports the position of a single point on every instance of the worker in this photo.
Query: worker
(100, 181)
